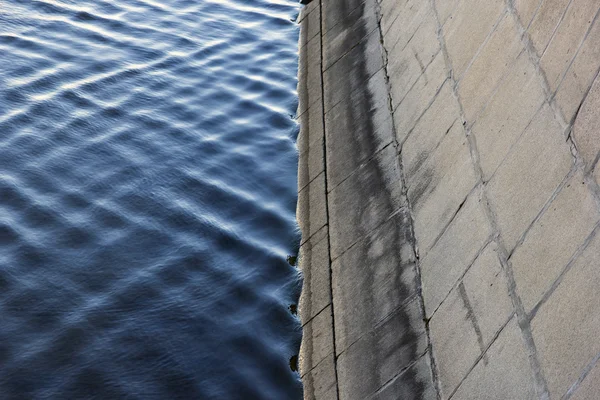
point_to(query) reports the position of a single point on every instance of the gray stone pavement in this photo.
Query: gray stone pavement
(449, 200)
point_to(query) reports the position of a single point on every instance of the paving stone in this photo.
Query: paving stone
(316, 287)
(526, 10)
(335, 11)
(320, 383)
(433, 126)
(317, 341)
(567, 39)
(588, 389)
(357, 128)
(407, 63)
(309, 86)
(470, 318)
(471, 23)
(311, 127)
(310, 26)
(364, 201)
(307, 9)
(351, 71)
(416, 383)
(382, 354)
(372, 279)
(504, 372)
(486, 287)
(400, 19)
(553, 240)
(310, 54)
(440, 186)
(419, 97)
(311, 211)
(454, 342)
(454, 252)
(311, 163)
(565, 329)
(580, 75)
(509, 111)
(530, 174)
(348, 32)
(585, 128)
(545, 21)
(491, 64)
(445, 8)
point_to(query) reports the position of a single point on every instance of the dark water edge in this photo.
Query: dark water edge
(147, 199)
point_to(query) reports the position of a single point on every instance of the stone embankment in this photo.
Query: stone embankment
(449, 199)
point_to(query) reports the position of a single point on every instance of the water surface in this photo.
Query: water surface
(147, 199)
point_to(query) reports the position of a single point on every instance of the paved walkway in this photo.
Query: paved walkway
(449, 200)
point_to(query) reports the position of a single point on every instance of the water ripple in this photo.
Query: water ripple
(147, 199)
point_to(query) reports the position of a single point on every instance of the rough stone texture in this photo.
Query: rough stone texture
(545, 21)
(414, 382)
(312, 129)
(380, 355)
(469, 319)
(312, 207)
(454, 252)
(440, 186)
(317, 341)
(358, 127)
(311, 163)
(566, 40)
(471, 22)
(314, 263)
(585, 129)
(589, 387)
(532, 171)
(565, 328)
(507, 114)
(320, 382)
(503, 373)
(364, 200)
(526, 10)
(310, 25)
(418, 98)
(490, 65)
(309, 76)
(372, 279)
(553, 239)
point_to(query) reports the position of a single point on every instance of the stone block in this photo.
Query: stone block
(311, 127)
(316, 287)
(580, 75)
(503, 373)
(364, 200)
(507, 114)
(414, 383)
(350, 72)
(471, 23)
(486, 288)
(454, 252)
(307, 9)
(310, 26)
(489, 67)
(526, 10)
(566, 40)
(309, 86)
(400, 19)
(311, 211)
(588, 389)
(350, 30)
(311, 163)
(382, 354)
(440, 186)
(320, 383)
(358, 127)
(419, 97)
(372, 279)
(317, 341)
(565, 328)
(528, 177)
(433, 126)
(553, 240)
(445, 9)
(585, 128)
(335, 11)
(545, 21)
(407, 63)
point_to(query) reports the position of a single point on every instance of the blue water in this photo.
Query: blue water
(147, 199)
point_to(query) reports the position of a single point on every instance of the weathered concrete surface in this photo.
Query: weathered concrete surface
(449, 199)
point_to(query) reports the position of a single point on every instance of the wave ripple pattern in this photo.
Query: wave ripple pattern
(147, 199)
